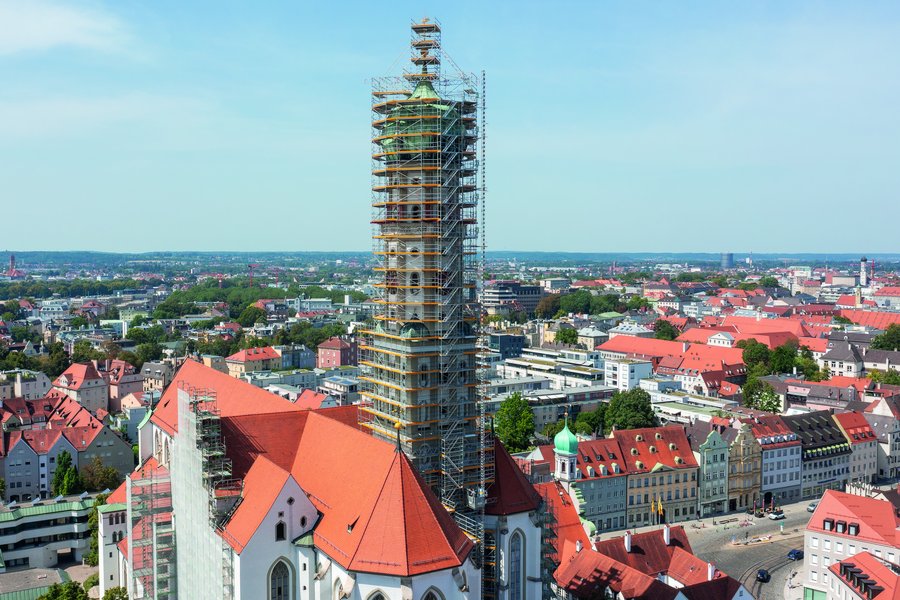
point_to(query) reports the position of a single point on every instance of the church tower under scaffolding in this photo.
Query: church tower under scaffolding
(420, 382)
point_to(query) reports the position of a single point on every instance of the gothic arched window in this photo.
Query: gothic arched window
(280, 582)
(280, 532)
(516, 570)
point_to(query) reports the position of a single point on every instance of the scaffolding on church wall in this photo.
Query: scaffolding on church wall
(151, 541)
(419, 378)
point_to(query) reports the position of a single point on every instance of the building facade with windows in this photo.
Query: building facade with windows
(744, 470)
(711, 449)
(781, 460)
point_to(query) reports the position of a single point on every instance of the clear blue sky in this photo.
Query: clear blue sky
(626, 126)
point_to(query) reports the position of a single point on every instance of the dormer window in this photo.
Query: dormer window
(828, 524)
(853, 529)
(841, 526)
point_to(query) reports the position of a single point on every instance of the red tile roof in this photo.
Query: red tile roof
(569, 529)
(888, 291)
(255, 354)
(510, 492)
(75, 376)
(262, 484)
(855, 427)
(335, 343)
(871, 318)
(378, 514)
(873, 570)
(603, 452)
(310, 400)
(655, 446)
(877, 519)
(234, 397)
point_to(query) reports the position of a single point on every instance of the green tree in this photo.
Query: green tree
(566, 335)
(630, 410)
(514, 422)
(95, 476)
(92, 556)
(637, 303)
(754, 353)
(2, 488)
(720, 280)
(11, 307)
(148, 352)
(889, 340)
(665, 330)
(748, 286)
(78, 322)
(578, 302)
(602, 303)
(65, 479)
(92, 580)
(251, 315)
(70, 590)
(840, 320)
(83, 352)
(783, 358)
(891, 376)
(547, 306)
(116, 593)
(551, 429)
(768, 282)
(591, 422)
(766, 398)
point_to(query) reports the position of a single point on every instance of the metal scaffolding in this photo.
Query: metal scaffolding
(419, 359)
(151, 543)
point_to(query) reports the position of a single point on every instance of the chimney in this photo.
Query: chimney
(578, 546)
(628, 541)
(710, 571)
(667, 535)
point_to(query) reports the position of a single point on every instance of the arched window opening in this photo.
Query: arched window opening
(280, 582)
(516, 570)
(280, 532)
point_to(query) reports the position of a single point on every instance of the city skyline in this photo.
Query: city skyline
(730, 126)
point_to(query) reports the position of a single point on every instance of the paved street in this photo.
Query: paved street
(713, 543)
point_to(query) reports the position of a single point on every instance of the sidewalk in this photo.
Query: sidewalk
(793, 586)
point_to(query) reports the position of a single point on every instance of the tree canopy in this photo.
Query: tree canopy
(889, 340)
(665, 330)
(630, 410)
(65, 478)
(566, 335)
(514, 423)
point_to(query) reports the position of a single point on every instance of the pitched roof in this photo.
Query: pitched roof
(335, 343)
(855, 427)
(880, 577)
(254, 354)
(651, 448)
(378, 514)
(233, 396)
(75, 376)
(877, 519)
(262, 484)
(310, 399)
(601, 456)
(871, 318)
(510, 492)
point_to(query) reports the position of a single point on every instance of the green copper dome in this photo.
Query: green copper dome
(565, 441)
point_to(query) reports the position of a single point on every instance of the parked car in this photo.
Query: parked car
(795, 554)
(775, 515)
(812, 506)
(763, 575)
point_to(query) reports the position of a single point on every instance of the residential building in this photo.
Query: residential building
(744, 470)
(625, 374)
(157, 375)
(863, 575)
(863, 446)
(82, 383)
(842, 526)
(844, 359)
(345, 390)
(781, 460)
(253, 359)
(501, 297)
(662, 470)
(825, 452)
(632, 329)
(337, 352)
(710, 445)
(26, 384)
(551, 405)
(883, 415)
(296, 356)
(591, 337)
(122, 377)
